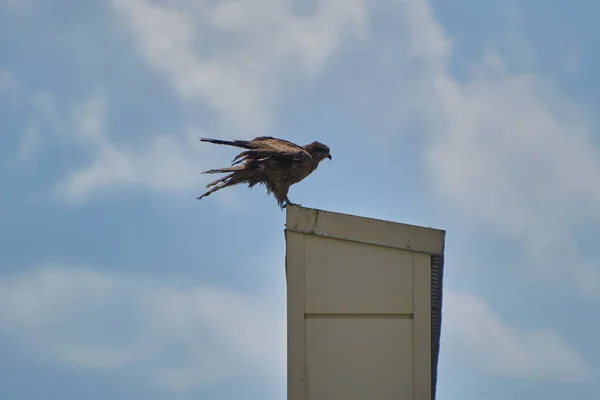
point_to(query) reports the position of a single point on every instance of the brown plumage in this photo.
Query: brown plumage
(276, 163)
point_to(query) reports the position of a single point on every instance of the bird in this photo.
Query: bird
(275, 163)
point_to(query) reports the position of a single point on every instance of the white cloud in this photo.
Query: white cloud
(235, 55)
(16, 4)
(31, 143)
(505, 149)
(506, 350)
(11, 90)
(13, 93)
(514, 153)
(164, 162)
(43, 115)
(8, 83)
(44, 121)
(174, 335)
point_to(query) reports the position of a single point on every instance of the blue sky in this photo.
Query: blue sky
(476, 118)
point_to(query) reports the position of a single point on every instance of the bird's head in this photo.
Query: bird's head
(318, 150)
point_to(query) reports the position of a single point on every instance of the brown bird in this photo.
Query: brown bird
(275, 163)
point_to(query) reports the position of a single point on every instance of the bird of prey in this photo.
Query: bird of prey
(275, 163)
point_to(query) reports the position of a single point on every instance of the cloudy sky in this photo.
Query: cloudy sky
(477, 118)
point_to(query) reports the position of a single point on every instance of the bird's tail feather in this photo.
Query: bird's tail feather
(235, 143)
(210, 191)
(223, 182)
(222, 170)
(223, 179)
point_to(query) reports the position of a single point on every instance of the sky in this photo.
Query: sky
(479, 118)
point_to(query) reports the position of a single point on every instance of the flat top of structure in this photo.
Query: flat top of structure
(365, 230)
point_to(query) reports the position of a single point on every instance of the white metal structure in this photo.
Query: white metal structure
(364, 300)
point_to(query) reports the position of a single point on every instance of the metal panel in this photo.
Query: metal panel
(363, 307)
(359, 358)
(365, 230)
(346, 277)
(294, 260)
(422, 326)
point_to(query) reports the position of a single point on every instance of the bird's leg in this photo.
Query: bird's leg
(288, 202)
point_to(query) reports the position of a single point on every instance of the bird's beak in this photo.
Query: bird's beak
(329, 156)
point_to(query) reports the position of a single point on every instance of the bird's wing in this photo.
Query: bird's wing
(279, 149)
(279, 146)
